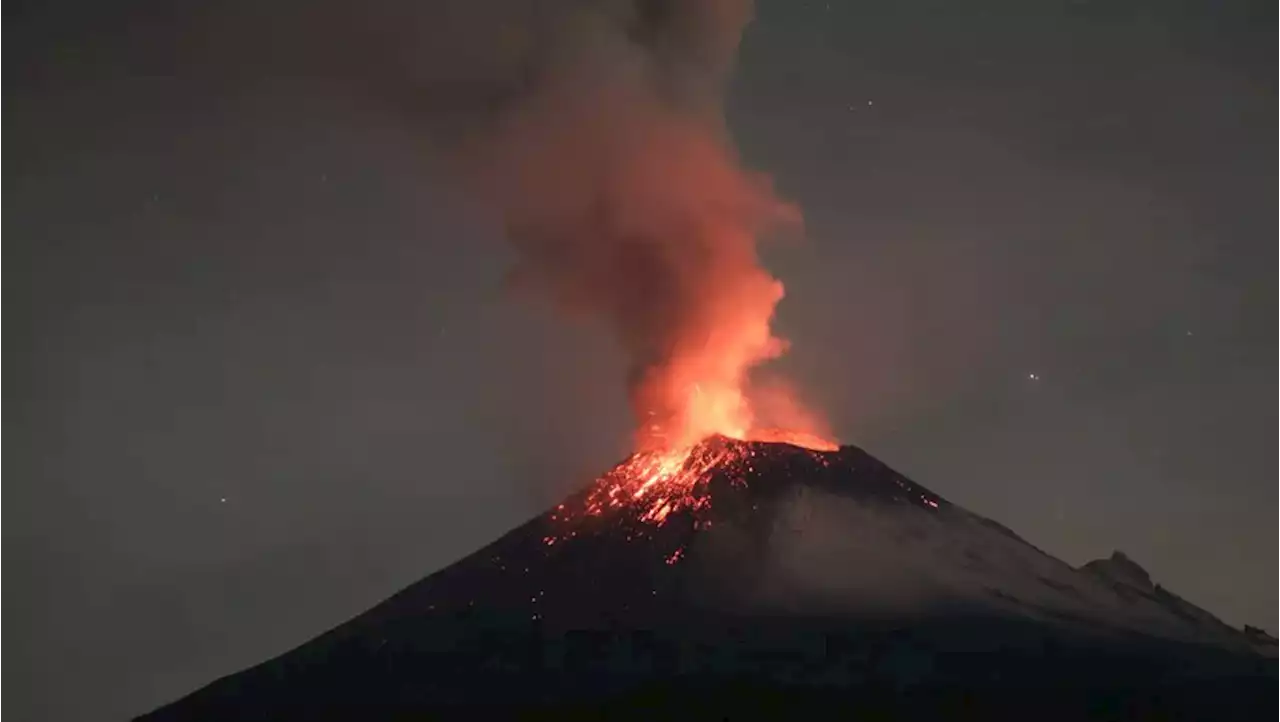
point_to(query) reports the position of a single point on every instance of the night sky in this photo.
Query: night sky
(263, 372)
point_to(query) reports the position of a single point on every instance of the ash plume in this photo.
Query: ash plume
(620, 188)
(595, 130)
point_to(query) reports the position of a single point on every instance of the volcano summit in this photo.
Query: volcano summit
(751, 579)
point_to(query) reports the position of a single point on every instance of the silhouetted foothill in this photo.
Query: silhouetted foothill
(1260, 637)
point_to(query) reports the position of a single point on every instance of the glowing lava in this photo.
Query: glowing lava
(703, 391)
(652, 486)
(660, 482)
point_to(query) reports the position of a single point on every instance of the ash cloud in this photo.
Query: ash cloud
(599, 136)
(595, 132)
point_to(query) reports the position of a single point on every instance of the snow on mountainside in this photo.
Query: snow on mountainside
(844, 552)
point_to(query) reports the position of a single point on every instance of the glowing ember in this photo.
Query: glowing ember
(654, 486)
(661, 482)
(677, 457)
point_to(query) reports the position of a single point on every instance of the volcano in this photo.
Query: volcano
(762, 580)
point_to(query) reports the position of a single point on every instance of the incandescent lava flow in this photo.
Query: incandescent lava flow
(653, 485)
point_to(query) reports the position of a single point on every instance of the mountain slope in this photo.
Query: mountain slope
(773, 575)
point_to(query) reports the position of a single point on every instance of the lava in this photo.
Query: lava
(659, 483)
(653, 486)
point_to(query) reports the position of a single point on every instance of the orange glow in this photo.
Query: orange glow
(702, 387)
(653, 487)
(659, 482)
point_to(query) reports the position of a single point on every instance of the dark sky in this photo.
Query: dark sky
(262, 372)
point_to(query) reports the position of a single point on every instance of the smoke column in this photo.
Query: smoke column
(622, 192)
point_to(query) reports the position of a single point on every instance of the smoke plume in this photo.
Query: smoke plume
(595, 129)
(619, 186)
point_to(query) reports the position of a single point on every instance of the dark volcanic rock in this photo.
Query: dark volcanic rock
(1120, 568)
(817, 584)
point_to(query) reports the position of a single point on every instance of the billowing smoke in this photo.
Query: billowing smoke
(595, 129)
(622, 192)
